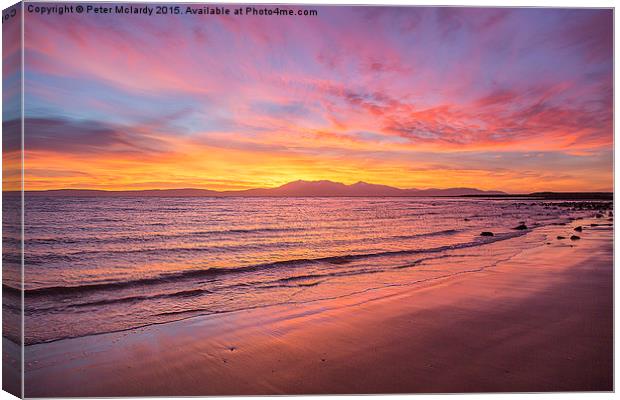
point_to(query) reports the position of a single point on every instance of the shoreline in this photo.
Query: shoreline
(539, 321)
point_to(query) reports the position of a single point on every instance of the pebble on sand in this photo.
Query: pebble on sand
(575, 237)
(578, 229)
(486, 233)
(521, 227)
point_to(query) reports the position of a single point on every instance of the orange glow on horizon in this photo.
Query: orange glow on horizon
(235, 105)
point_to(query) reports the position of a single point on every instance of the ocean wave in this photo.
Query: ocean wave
(43, 258)
(445, 232)
(155, 236)
(216, 272)
(125, 300)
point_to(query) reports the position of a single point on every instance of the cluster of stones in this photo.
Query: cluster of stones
(600, 209)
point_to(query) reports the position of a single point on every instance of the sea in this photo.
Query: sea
(97, 265)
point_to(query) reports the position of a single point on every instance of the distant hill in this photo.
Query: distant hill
(292, 189)
(555, 196)
(360, 189)
(124, 193)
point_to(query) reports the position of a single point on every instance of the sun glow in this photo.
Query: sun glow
(229, 106)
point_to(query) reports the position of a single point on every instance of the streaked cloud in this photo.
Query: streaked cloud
(509, 99)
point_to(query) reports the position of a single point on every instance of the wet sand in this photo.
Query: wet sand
(539, 321)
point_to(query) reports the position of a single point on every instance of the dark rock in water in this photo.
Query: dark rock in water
(599, 215)
(610, 219)
(561, 237)
(578, 229)
(521, 227)
(575, 237)
(593, 224)
(611, 214)
(466, 219)
(486, 234)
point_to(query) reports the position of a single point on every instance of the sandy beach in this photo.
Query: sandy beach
(538, 321)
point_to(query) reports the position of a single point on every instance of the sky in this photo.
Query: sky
(518, 100)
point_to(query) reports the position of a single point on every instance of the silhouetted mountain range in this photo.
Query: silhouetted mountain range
(293, 189)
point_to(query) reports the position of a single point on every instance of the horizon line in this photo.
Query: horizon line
(498, 192)
(232, 192)
(274, 187)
